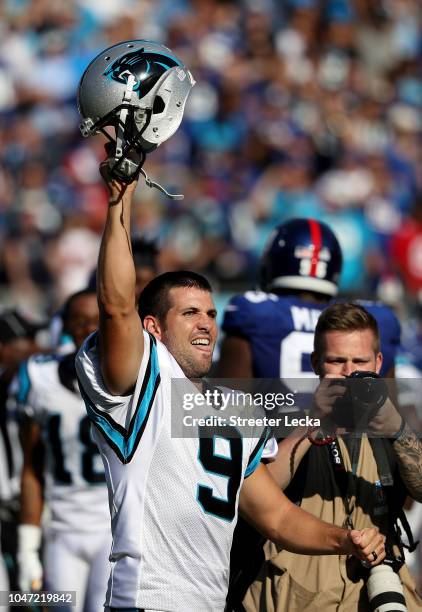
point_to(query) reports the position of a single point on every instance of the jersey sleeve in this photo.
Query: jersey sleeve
(239, 318)
(258, 446)
(121, 420)
(24, 391)
(270, 449)
(92, 385)
(390, 335)
(10, 447)
(394, 332)
(389, 330)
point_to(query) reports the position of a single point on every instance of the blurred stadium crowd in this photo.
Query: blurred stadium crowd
(301, 108)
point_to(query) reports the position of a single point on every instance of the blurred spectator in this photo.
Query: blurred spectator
(72, 255)
(406, 250)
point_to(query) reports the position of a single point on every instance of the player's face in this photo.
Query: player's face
(190, 330)
(347, 352)
(83, 318)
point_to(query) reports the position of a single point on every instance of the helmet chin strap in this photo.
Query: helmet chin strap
(123, 167)
(151, 183)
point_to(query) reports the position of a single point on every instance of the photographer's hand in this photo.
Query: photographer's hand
(327, 394)
(368, 545)
(386, 422)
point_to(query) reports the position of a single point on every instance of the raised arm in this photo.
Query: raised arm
(266, 507)
(120, 333)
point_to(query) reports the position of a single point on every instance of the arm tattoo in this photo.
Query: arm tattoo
(408, 449)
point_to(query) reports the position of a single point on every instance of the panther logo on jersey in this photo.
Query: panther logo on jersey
(147, 68)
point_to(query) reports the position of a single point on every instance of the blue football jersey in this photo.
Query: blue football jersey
(390, 332)
(280, 330)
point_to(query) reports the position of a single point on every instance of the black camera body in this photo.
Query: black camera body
(365, 393)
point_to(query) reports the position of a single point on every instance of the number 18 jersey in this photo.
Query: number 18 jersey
(75, 489)
(173, 500)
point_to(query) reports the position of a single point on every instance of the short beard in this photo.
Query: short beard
(191, 369)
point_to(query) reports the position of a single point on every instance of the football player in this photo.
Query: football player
(63, 471)
(17, 342)
(174, 500)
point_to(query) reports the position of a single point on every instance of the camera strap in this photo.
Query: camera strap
(396, 495)
(386, 463)
(381, 458)
(332, 452)
(342, 477)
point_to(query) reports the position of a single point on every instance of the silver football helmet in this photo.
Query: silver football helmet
(140, 88)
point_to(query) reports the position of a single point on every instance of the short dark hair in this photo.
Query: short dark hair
(345, 317)
(67, 306)
(154, 299)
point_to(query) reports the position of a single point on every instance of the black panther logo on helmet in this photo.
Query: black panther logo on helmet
(146, 67)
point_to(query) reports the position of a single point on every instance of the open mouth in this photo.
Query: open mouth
(202, 344)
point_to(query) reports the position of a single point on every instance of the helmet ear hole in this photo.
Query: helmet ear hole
(158, 105)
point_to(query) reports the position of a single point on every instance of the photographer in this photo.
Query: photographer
(355, 470)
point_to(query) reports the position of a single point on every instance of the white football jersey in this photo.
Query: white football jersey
(173, 500)
(5, 487)
(75, 489)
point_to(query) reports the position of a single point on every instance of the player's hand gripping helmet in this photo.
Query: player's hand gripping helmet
(302, 254)
(140, 88)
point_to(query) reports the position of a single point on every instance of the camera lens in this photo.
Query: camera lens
(385, 590)
(365, 393)
(368, 390)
